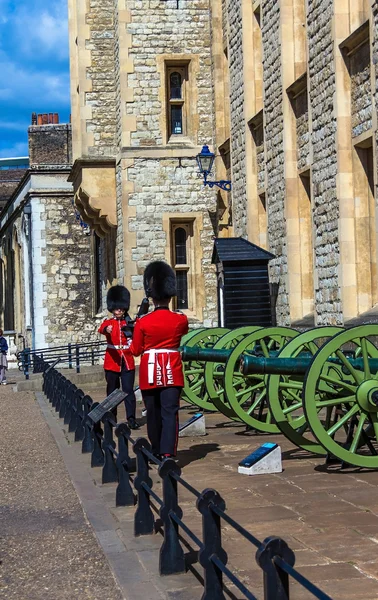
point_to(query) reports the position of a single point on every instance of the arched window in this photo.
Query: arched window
(180, 246)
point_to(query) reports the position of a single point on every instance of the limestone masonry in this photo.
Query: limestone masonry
(283, 93)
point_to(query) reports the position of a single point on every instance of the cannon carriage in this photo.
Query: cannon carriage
(318, 388)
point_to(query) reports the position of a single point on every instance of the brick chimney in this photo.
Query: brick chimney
(49, 141)
(45, 119)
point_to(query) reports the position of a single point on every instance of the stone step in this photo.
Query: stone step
(89, 377)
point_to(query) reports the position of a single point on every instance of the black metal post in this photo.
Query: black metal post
(97, 459)
(172, 558)
(276, 581)
(124, 493)
(63, 397)
(144, 518)
(77, 352)
(87, 445)
(212, 540)
(71, 389)
(109, 471)
(27, 363)
(70, 356)
(77, 397)
(93, 357)
(79, 429)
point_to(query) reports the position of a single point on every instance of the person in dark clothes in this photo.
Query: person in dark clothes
(156, 338)
(119, 363)
(3, 358)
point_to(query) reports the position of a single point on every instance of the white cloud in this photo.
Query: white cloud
(18, 149)
(33, 87)
(43, 30)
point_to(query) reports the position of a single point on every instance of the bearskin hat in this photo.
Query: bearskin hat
(159, 281)
(118, 297)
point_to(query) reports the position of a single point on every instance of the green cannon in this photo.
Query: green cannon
(319, 388)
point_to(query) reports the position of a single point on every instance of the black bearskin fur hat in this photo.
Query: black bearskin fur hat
(159, 281)
(118, 297)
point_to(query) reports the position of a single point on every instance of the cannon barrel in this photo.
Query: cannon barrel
(196, 353)
(253, 365)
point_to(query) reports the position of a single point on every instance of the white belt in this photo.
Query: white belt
(152, 359)
(117, 347)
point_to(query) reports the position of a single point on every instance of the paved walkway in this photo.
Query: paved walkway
(48, 550)
(330, 519)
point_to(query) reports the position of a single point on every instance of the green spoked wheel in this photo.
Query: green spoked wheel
(247, 396)
(194, 371)
(285, 391)
(188, 336)
(346, 422)
(214, 372)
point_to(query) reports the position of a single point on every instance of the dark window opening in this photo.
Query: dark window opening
(175, 86)
(182, 290)
(97, 274)
(176, 119)
(180, 246)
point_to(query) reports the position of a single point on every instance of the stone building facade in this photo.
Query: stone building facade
(303, 140)
(142, 108)
(283, 91)
(45, 255)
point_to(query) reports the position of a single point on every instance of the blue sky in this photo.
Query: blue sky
(34, 74)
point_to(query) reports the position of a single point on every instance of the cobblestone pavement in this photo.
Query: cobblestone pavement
(47, 548)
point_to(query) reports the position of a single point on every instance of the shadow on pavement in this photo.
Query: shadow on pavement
(196, 452)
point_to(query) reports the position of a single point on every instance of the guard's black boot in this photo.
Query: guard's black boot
(132, 423)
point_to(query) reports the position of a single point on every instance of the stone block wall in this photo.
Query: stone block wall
(238, 149)
(324, 166)
(362, 108)
(274, 158)
(157, 29)
(162, 189)
(67, 288)
(101, 99)
(50, 145)
(258, 136)
(157, 176)
(302, 126)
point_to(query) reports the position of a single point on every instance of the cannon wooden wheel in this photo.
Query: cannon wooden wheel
(194, 371)
(350, 430)
(247, 396)
(285, 391)
(214, 371)
(188, 336)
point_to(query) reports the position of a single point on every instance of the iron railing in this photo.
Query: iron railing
(273, 555)
(70, 355)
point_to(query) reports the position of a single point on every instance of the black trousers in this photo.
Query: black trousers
(162, 406)
(126, 378)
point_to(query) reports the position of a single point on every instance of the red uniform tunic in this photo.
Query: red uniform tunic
(118, 346)
(157, 337)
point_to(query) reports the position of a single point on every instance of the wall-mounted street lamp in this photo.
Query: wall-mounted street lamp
(205, 160)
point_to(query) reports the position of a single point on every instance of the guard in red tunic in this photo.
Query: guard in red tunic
(157, 337)
(119, 363)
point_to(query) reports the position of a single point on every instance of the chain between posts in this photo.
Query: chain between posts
(273, 555)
